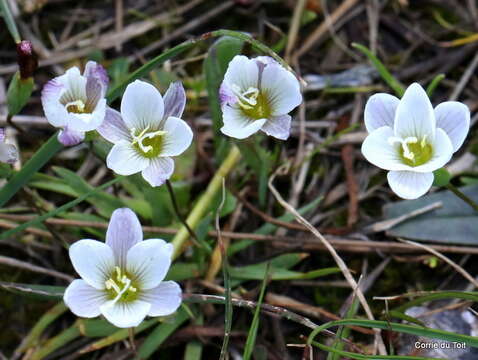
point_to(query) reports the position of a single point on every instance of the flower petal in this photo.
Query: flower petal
(159, 170)
(242, 72)
(454, 118)
(148, 262)
(238, 125)
(93, 261)
(142, 106)
(415, 116)
(55, 112)
(95, 70)
(124, 159)
(8, 153)
(178, 137)
(125, 314)
(83, 299)
(377, 150)
(409, 184)
(281, 88)
(278, 127)
(113, 127)
(88, 121)
(164, 299)
(226, 96)
(174, 100)
(442, 153)
(124, 231)
(2, 135)
(69, 137)
(380, 111)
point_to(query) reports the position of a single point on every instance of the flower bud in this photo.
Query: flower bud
(27, 59)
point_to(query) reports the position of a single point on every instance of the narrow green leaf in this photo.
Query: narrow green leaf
(401, 328)
(18, 94)
(59, 210)
(352, 355)
(160, 334)
(382, 70)
(434, 83)
(38, 160)
(10, 21)
(252, 334)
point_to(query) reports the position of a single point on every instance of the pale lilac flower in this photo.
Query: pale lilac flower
(258, 94)
(148, 132)
(8, 152)
(122, 279)
(75, 102)
(411, 139)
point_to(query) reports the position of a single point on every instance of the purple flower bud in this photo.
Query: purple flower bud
(27, 59)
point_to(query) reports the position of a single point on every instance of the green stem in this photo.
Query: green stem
(203, 204)
(59, 210)
(9, 20)
(462, 196)
(38, 160)
(35, 333)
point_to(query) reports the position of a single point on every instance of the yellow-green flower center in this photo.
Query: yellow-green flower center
(414, 152)
(148, 144)
(120, 287)
(77, 107)
(253, 102)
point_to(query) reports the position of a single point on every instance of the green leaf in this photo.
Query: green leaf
(9, 20)
(453, 223)
(382, 70)
(434, 83)
(252, 334)
(441, 177)
(401, 328)
(38, 160)
(18, 94)
(160, 334)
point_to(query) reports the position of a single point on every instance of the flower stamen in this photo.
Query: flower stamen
(247, 99)
(414, 152)
(77, 106)
(145, 135)
(119, 284)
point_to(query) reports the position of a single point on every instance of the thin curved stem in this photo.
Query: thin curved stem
(462, 196)
(178, 213)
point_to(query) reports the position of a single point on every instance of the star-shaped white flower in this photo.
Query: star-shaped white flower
(75, 102)
(122, 279)
(411, 139)
(258, 94)
(148, 132)
(8, 152)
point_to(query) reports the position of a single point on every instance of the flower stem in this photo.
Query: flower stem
(178, 213)
(462, 196)
(204, 202)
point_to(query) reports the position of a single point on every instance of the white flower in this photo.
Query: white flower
(147, 132)
(411, 139)
(8, 152)
(122, 279)
(257, 94)
(76, 103)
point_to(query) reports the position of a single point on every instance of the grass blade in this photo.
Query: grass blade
(382, 70)
(251, 336)
(10, 21)
(59, 210)
(21, 178)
